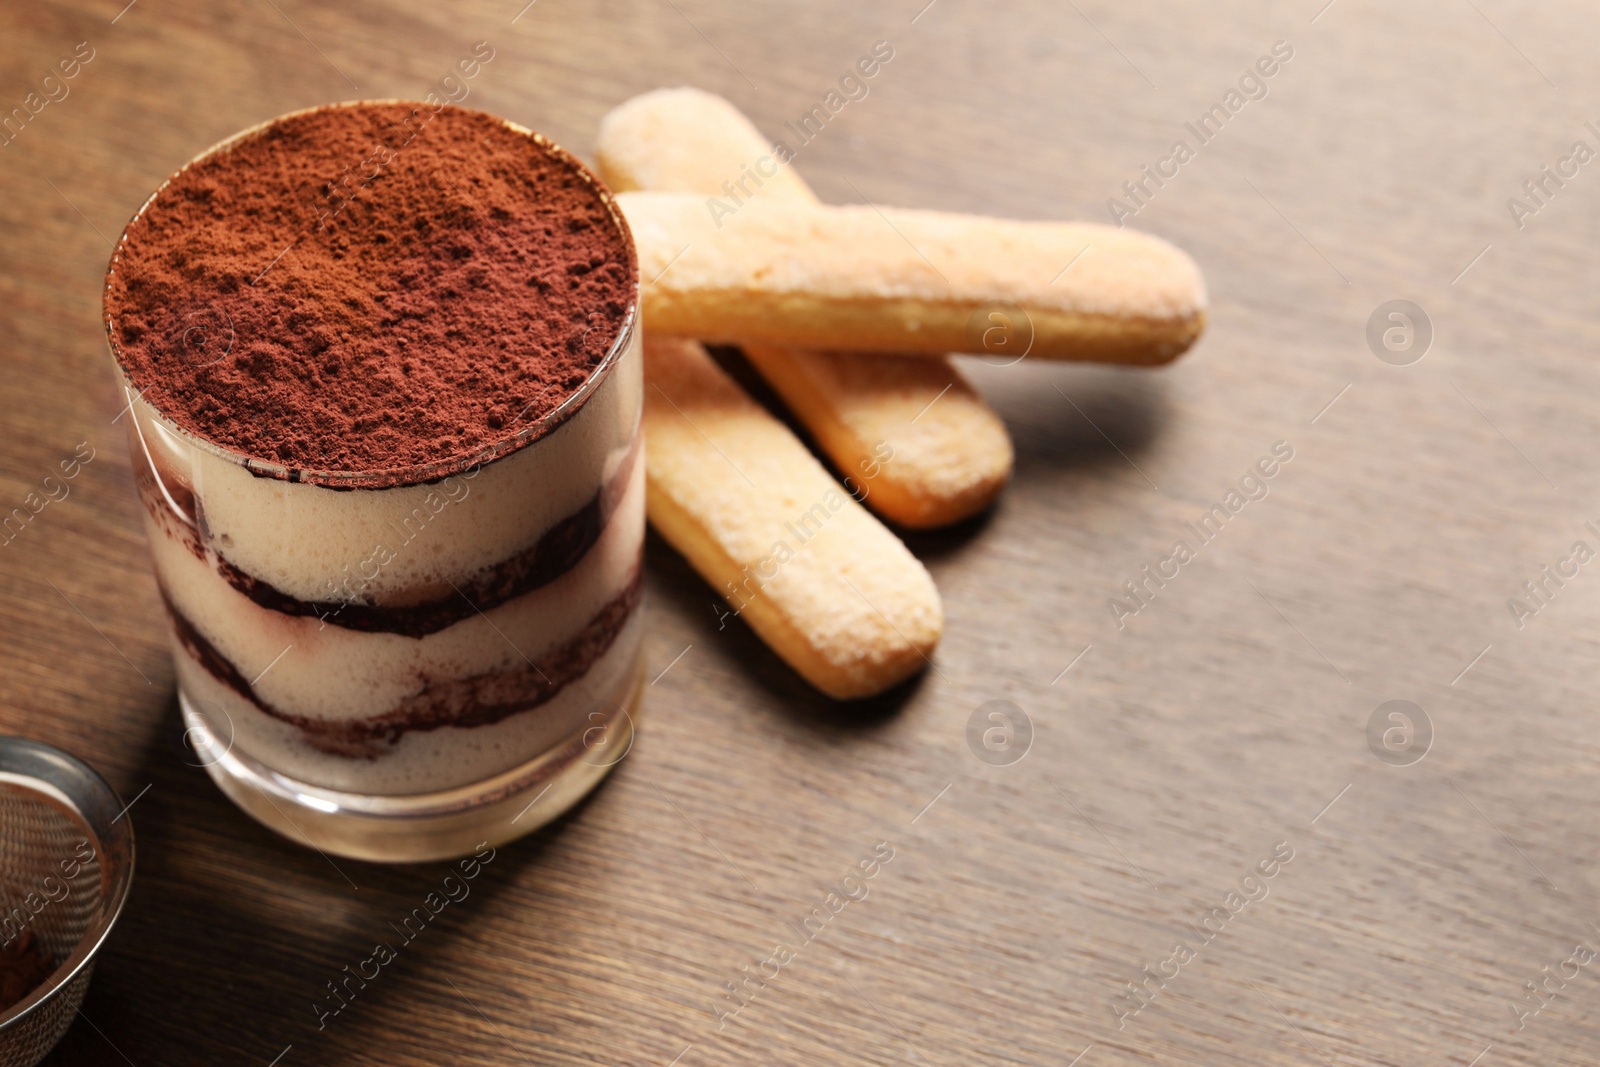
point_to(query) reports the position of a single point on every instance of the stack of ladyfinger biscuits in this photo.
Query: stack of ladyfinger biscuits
(848, 313)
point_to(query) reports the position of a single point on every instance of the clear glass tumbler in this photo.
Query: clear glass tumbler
(398, 666)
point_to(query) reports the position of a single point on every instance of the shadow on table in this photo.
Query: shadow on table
(1067, 419)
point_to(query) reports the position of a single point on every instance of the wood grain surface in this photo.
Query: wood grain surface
(1168, 757)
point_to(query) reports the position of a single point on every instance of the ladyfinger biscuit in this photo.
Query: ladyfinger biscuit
(910, 433)
(891, 279)
(689, 141)
(913, 438)
(824, 584)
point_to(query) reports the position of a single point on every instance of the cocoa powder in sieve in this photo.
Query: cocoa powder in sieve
(369, 287)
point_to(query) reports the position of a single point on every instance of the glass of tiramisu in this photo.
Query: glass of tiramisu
(382, 380)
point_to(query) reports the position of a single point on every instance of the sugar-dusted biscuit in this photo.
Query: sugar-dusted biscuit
(891, 279)
(828, 587)
(912, 437)
(910, 433)
(689, 141)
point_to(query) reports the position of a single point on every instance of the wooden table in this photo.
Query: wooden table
(1169, 757)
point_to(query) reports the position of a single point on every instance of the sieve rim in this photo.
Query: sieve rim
(104, 817)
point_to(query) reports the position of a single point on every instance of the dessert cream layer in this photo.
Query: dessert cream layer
(333, 673)
(310, 697)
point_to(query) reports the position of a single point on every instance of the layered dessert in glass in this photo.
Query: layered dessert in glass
(383, 391)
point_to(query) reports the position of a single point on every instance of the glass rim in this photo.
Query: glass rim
(409, 474)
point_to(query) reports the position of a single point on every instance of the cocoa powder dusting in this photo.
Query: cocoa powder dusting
(369, 287)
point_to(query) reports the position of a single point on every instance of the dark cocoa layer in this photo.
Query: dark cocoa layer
(479, 700)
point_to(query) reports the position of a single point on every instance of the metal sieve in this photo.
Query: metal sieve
(66, 860)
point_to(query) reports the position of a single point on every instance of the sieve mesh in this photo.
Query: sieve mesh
(65, 863)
